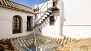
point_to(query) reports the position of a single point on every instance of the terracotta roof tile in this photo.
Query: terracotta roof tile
(83, 44)
(15, 6)
(46, 42)
(65, 40)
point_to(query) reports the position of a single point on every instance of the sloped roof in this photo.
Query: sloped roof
(83, 44)
(45, 42)
(63, 41)
(58, 42)
(15, 6)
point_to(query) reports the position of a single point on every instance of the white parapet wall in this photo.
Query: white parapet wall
(77, 15)
(75, 19)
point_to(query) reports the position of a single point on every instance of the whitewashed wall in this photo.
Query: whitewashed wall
(77, 14)
(73, 19)
(53, 31)
(6, 17)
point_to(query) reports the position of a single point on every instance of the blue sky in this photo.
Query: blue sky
(29, 3)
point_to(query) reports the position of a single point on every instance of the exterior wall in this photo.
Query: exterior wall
(49, 30)
(6, 17)
(77, 14)
(73, 19)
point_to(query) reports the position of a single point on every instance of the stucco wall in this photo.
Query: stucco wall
(6, 17)
(77, 14)
(73, 19)
(49, 30)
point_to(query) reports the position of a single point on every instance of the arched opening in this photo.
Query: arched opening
(17, 27)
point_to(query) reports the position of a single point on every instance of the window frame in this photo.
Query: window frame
(54, 3)
(29, 23)
(51, 20)
(17, 24)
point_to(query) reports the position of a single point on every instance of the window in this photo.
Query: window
(17, 20)
(29, 23)
(51, 20)
(54, 3)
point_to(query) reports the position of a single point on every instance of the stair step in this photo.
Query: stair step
(39, 24)
(45, 17)
(42, 21)
(47, 13)
(49, 10)
(50, 13)
(53, 8)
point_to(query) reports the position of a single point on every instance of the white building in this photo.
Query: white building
(52, 18)
(15, 19)
(72, 18)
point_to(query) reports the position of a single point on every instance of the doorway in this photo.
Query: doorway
(29, 23)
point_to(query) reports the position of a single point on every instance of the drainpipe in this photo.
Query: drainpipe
(61, 17)
(59, 20)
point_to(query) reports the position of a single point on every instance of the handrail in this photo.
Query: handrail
(41, 17)
(43, 14)
(42, 5)
(47, 5)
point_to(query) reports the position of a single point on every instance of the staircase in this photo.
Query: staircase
(43, 20)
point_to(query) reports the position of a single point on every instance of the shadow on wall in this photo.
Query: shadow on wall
(62, 13)
(63, 17)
